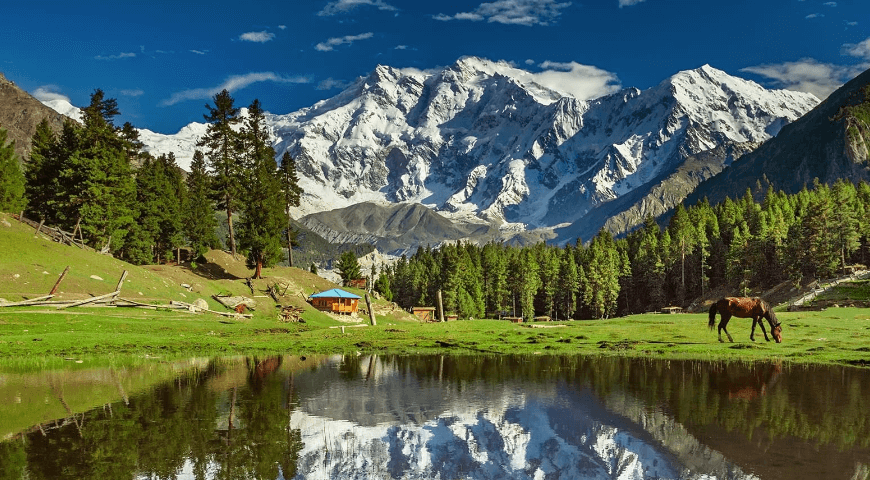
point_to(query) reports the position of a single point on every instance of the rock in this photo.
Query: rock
(5, 223)
(186, 287)
(15, 277)
(96, 277)
(200, 304)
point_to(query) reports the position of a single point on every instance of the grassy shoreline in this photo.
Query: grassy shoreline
(839, 336)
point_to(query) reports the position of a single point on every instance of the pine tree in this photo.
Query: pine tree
(264, 217)
(11, 179)
(494, 277)
(348, 266)
(845, 220)
(292, 197)
(98, 179)
(568, 283)
(199, 221)
(221, 143)
(46, 196)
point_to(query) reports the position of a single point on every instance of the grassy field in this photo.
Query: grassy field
(834, 336)
(38, 337)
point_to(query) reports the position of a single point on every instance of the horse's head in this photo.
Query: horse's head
(775, 326)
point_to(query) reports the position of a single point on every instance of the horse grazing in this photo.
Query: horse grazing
(742, 307)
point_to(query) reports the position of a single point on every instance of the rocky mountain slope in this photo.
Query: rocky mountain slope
(20, 113)
(830, 142)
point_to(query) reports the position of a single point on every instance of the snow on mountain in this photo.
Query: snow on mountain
(63, 107)
(488, 142)
(480, 139)
(182, 144)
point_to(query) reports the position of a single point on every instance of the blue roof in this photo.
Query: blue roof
(335, 292)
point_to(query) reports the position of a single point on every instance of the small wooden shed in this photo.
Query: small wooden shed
(336, 301)
(424, 314)
(672, 309)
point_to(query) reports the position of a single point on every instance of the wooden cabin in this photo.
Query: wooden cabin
(672, 309)
(360, 283)
(335, 301)
(424, 314)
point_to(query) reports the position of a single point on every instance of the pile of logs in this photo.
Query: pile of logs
(291, 314)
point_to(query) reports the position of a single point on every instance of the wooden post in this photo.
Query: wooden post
(440, 307)
(57, 283)
(371, 312)
(118, 288)
(41, 222)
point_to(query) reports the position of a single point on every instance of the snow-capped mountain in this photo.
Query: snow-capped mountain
(484, 142)
(476, 138)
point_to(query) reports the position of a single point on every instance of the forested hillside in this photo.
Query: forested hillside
(829, 143)
(741, 245)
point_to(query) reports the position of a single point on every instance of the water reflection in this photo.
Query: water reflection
(438, 417)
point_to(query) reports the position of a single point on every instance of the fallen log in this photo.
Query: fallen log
(90, 300)
(29, 302)
(60, 279)
(225, 314)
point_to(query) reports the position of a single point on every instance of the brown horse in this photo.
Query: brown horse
(742, 307)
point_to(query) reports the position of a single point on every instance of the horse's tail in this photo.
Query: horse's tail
(712, 322)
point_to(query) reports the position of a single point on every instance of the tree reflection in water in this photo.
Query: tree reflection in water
(232, 419)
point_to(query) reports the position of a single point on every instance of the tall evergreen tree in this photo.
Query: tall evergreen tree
(221, 144)
(11, 179)
(98, 177)
(568, 283)
(264, 217)
(348, 267)
(292, 196)
(200, 223)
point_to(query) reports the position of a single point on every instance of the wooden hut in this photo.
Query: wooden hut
(424, 314)
(672, 309)
(335, 301)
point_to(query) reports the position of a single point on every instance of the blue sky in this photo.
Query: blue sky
(164, 60)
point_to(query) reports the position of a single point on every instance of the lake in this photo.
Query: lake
(475, 417)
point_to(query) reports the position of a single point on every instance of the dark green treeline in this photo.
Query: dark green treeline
(743, 245)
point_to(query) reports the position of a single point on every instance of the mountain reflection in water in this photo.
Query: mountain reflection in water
(476, 417)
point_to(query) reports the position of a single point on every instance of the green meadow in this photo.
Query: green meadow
(46, 337)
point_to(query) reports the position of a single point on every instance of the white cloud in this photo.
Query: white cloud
(133, 92)
(529, 61)
(330, 44)
(814, 15)
(331, 83)
(400, 47)
(235, 82)
(258, 37)
(512, 12)
(282, 27)
(580, 81)
(860, 50)
(115, 57)
(47, 93)
(199, 52)
(831, 4)
(808, 75)
(628, 3)
(343, 6)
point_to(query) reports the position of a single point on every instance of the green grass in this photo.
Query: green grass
(834, 336)
(34, 336)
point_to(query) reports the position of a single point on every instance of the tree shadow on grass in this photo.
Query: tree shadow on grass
(211, 271)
